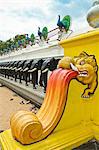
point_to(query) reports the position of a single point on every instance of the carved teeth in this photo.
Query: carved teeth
(73, 67)
(82, 75)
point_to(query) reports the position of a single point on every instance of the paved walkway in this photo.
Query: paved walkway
(10, 102)
(34, 95)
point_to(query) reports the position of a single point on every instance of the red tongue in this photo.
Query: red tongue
(27, 127)
(55, 99)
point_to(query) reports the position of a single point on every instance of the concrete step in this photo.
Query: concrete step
(36, 96)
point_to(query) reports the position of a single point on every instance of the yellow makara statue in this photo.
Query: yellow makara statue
(87, 67)
(78, 121)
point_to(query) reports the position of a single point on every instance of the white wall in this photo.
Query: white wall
(33, 52)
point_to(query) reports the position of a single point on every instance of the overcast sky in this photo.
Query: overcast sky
(24, 16)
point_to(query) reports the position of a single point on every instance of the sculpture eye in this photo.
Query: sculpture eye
(82, 62)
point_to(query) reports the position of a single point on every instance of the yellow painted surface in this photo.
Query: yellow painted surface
(88, 109)
(80, 121)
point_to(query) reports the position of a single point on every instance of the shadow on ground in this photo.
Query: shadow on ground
(91, 145)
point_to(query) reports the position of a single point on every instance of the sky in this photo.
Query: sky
(24, 16)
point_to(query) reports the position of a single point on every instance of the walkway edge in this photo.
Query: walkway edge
(34, 96)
